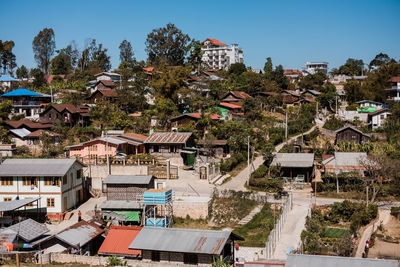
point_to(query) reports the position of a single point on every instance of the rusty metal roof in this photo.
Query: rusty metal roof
(118, 240)
(168, 138)
(182, 240)
(80, 233)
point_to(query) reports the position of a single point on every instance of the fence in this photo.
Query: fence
(161, 171)
(275, 233)
(94, 160)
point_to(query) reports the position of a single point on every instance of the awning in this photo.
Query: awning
(15, 204)
(188, 152)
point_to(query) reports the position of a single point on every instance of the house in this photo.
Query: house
(304, 260)
(28, 233)
(311, 93)
(7, 150)
(168, 143)
(24, 137)
(109, 95)
(80, 238)
(292, 74)
(69, 114)
(369, 104)
(342, 162)
(100, 147)
(294, 165)
(351, 134)
(290, 97)
(184, 246)
(7, 81)
(125, 193)
(100, 84)
(49, 78)
(58, 182)
(186, 118)
(110, 76)
(118, 240)
(219, 55)
(26, 102)
(378, 118)
(393, 93)
(28, 124)
(217, 148)
(314, 67)
(235, 96)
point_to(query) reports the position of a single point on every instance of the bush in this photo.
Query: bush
(232, 162)
(260, 172)
(352, 107)
(333, 124)
(274, 185)
(395, 211)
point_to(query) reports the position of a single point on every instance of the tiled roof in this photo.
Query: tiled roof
(71, 108)
(135, 136)
(149, 69)
(118, 240)
(215, 42)
(395, 79)
(198, 116)
(38, 133)
(29, 229)
(108, 83)
(168, 138)
(29, 124)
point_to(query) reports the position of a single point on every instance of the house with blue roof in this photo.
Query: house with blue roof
(27, 102)
(7, 81)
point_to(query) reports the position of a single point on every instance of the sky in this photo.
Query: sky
(290, 32)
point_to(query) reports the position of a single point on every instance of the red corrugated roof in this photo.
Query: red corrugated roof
(395, 79)
(119, 239)
(229, 105)
(378, 111)
(49, 78)
(107, 83)
(198, 115)
(140, 137)
(215, 42)
(149, 69)
(240, 94)
(108, 92)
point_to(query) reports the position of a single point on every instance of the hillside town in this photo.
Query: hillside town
(192, 157)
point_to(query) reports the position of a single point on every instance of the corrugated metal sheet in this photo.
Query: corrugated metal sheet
(80, 233)
(7, 236)
(294, 160)
(15, 204)
(343, 159)
(168, 138)
(118, 240)
(119, 205)
(20, 132)
(29, 229)
(299, 260)
(181, 240)
(128, 179)
(36, 167)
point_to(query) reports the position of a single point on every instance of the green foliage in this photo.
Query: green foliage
(94, 58)
(333, 123)
(43, 46)
(126, 53)
(22, 72)
(395, 211)
(353, 91)
(237, 69)
(352, 107)
(108, 116)
(7, 57)
(235, 159)
(220, 263)
(352, 67)
(335, 232)
(60, 64)
(328, 97)
(39, 80)
(261, 172)
(165, 109)
(115, 261)
(313, 81)
(195, 56)
(257, 230)
(268, 69)
(167, 45)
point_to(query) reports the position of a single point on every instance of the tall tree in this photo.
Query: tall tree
(167, 45)
(280, 78)
(72, 51)
(7, 58)
(94, 57)
(268, 69)
(60, 64)
(379, 60)
(43, 46)
(195, 56)
(22, 72)
(38, 76)
(351, 67)
(126, 53)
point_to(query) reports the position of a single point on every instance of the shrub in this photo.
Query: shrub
(333, 124)
(352, 107)
(395, 211)
(274, 185)
(260, 172)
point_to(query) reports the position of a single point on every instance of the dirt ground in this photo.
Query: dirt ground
(383, 249)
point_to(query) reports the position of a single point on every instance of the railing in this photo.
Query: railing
(161, 171)
(275, 233)
(102, 160)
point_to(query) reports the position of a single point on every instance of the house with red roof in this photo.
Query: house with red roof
(219, 55)
(67, 113)
(118, 240)
(186, 118)
(109, 95)
(235, 96)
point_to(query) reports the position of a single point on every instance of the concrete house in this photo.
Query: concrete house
(378, 118)
(58, 183)
(351, 134)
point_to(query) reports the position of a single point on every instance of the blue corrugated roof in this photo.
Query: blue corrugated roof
(6, 78)
(22, 92)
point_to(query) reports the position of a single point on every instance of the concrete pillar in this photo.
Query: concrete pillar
(168, 168)
(208, 171)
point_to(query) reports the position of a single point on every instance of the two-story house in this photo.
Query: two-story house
(59, 183)
(69, 114)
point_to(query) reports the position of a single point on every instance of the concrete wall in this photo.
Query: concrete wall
(195, 207)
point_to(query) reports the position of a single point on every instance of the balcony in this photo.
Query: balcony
(27, 103)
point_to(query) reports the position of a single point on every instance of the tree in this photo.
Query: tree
(126, 53)
(60, 64)
(379, 60)
(7, 58)
(353, 91)
(328, 97)
(167, 45)
(352, 67)
(108, 116)
(94, 57)
(268, 69)
(195, 56)
(38, 76)
(72, 51)
(237, 69)
(169, 81)
(280, 78)
(313, 81)
(43, 46)
(22, 72)
(165, 109)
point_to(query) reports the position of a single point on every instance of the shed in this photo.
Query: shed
(186, 246)
(302, 260)
(168, 143)
(346, 162)
(351, 134)
(128, 187)
(118, 240)
(295, 164)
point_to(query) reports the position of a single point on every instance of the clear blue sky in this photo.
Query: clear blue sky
(290, 32)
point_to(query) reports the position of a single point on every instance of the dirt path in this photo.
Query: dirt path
(383, 217)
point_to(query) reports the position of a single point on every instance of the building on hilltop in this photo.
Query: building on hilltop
(219, 55)
(314, 67)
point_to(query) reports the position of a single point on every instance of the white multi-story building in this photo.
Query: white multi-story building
(219, 55)
(314, 67)
(57, 182)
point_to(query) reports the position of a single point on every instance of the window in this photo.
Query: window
(52, 181)
(79, 174)
(7, 181)
(7, 199)
(93, 148)
(65, 179)
(382, 117)
(50, 203)
(28, 181)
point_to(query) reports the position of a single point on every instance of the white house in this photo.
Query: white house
(314, 67)
(368, 103)
(57, 182)
(378, 118)
(108, 76)
(219, 55)
(393, 93)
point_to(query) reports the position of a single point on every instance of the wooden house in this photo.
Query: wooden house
(351, 134)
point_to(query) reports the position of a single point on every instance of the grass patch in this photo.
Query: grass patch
(335, 232)
(238, 169)
(257, 230)
(190, 223)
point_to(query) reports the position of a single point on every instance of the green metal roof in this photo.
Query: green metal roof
(130, 216)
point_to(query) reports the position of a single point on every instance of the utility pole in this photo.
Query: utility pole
(248, 159)
(367, 194)
(336, 105)
(108, 158)
(336, 173)
(286, 128)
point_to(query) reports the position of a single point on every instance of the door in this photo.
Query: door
(65, 203)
